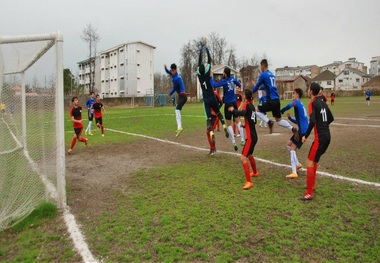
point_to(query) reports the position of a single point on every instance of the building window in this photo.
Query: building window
(346, 72)
(341, 81)
(357, 80)
(329, 82)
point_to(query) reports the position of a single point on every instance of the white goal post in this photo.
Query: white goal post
(32, 147)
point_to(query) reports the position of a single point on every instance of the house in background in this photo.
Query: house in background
(84, 72)
(127, 70)
(375, 66)
(286, 85)
(351, 79)
(310, 71)
(326, 80)
(373, 84)
(332, 67)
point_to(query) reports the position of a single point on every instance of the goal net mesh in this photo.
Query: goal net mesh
(28, 121)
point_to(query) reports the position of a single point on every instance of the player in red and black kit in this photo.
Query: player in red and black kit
(98, 107)
(320, 119)
(249, 114)
(76, 117)
(239, 98)
(215, 121)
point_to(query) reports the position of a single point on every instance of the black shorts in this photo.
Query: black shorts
(99, 120)
(228, 114)
(319, 147)
(368, 98)
(90, 115)
(182, 98)
(249, 147)
(78, 131)
(211, 103)
(297, 144)
(273, 106)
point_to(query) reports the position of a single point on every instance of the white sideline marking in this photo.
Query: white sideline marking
(72, 226)
(259, 159)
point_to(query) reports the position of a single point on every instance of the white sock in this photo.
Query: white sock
(178, 119)
(262, 116)
(89, 126)
(241, 131)
(231, 132)
(293, 161)
(289, 148)
(285, 124)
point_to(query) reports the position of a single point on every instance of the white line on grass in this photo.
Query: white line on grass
(237, 154)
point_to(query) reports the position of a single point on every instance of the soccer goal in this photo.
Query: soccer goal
(32, 154)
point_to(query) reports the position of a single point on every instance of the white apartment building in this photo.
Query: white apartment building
(84, 74)
(338, 66)
(375, 66)
(333, 67)
(351, 79)
(310, 71)
(127, 70)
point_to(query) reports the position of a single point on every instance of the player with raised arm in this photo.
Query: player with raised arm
(249, 113)
(90, 113)
(209, 100)
(98, 107)
(179, 87)
(320, 119)
(301, 120)
(268, 81)
(229, 83)
(76, 118)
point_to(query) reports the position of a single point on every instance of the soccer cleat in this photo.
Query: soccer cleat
(248, 185)
(299, 167)
(69, 151)
(270, 125)
(296, 134)
(226, 131)
(102, 135)
(212, 152)
(292, 176)
(212, 136)
(178, 132)
(235, 147)
(242, 143)
(307, 197)
(90, 134)
(237, 135)
(254, 174)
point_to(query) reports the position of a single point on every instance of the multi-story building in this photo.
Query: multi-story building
(375, 66)
(351, 79)
(326, 79)
(332, 67)
(85, 70)
(310, 71)
(127, 70)
(338, 66)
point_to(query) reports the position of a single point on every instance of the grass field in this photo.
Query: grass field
(162, 199)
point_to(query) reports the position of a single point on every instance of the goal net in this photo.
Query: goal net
(32, 160)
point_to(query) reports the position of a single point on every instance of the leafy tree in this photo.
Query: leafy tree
(68, 83)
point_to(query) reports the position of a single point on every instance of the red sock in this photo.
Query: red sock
(315, 176)
(82, 139)
(253, 164)
(234, 127)
(73, 142)
(102, 129)
(247, 172)
(310, 180)
(209, 139)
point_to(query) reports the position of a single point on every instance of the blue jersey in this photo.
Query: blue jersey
(262, 100)
(178, 85)
(368, 93)
(229, 86)
(300, 114)
(89, 103)
(268, 81)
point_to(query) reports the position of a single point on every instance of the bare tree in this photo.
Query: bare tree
(91, 37)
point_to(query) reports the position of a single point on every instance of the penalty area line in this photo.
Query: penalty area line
(352, 180)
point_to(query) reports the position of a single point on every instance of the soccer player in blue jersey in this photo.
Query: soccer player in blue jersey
(229, 84)
(319, 121)
(248, 111)
(90, 114)
(368, 96)
(179, 87)
(267, 81)
(302, 121)
(209, 100)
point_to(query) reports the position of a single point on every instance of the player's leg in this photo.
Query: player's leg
(245, 155)
(182, 98)
(215, 107)
(74, 140)
(228, 116)
(276, 111)
(240, 129)
(81, 138)
(293, 160)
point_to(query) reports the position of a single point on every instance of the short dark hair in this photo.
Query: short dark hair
(72, 100)
(227, 71)
(264, 63)
(97, 95)
(248, 94)
(92, 93)
(315, 88)
(173, 66)
(299, 92)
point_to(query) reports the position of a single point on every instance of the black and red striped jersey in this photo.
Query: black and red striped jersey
(249, 114)
(320, 117)
(76, 112)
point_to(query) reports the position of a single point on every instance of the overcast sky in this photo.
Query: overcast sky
(290, 33)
